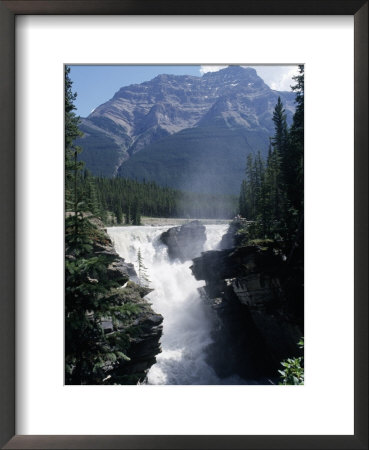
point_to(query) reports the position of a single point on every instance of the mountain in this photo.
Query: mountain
(187, 132)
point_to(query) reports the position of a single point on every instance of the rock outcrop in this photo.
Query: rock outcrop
(185, 242)
(259, 310)
(143, 331)
(229, 240)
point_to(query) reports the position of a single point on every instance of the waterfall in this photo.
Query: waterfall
(187, 320)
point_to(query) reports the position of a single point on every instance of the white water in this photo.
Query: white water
(187, 321)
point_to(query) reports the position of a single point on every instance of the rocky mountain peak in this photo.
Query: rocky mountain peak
(235, 74)
(142, 115)
(232, 71)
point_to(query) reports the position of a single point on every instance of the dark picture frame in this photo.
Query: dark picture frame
(8, 12)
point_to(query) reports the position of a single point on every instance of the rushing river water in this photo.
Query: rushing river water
(187, 321)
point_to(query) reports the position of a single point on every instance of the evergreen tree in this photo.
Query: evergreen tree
(127, 214)
(90, 294)
(272, 193)
(72, 132)
(295, 155)
(119, 214)
(92, 203)
(264, 212)
(242, 202)
(279, 140)
(104, 195)
(250, 188)
(136, 215)
(259, 182)
(142, 270)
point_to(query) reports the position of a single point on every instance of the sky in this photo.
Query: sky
(97, 84)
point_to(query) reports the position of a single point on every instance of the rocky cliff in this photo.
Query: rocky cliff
(258, 299)
(186, 241)
(144, 329)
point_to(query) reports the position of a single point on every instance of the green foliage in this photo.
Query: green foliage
(136, 213)
(294, 171)
(279, 140)
(301, 343)
(72, 132)
(119, 214)
(90, 194)
(92, 296)
(254, 232)
(127, 214)
(271, 196)
(293, 369)
(130, 199)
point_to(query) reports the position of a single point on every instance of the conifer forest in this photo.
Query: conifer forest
(171, 281)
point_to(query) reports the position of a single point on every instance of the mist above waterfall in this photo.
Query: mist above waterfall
(187, 320)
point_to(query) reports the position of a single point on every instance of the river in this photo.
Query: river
(187, 320)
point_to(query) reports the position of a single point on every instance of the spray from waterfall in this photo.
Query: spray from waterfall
(187, 320)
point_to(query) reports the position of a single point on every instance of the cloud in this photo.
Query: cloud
(276, 77)
(205, 69)
(285, 81)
